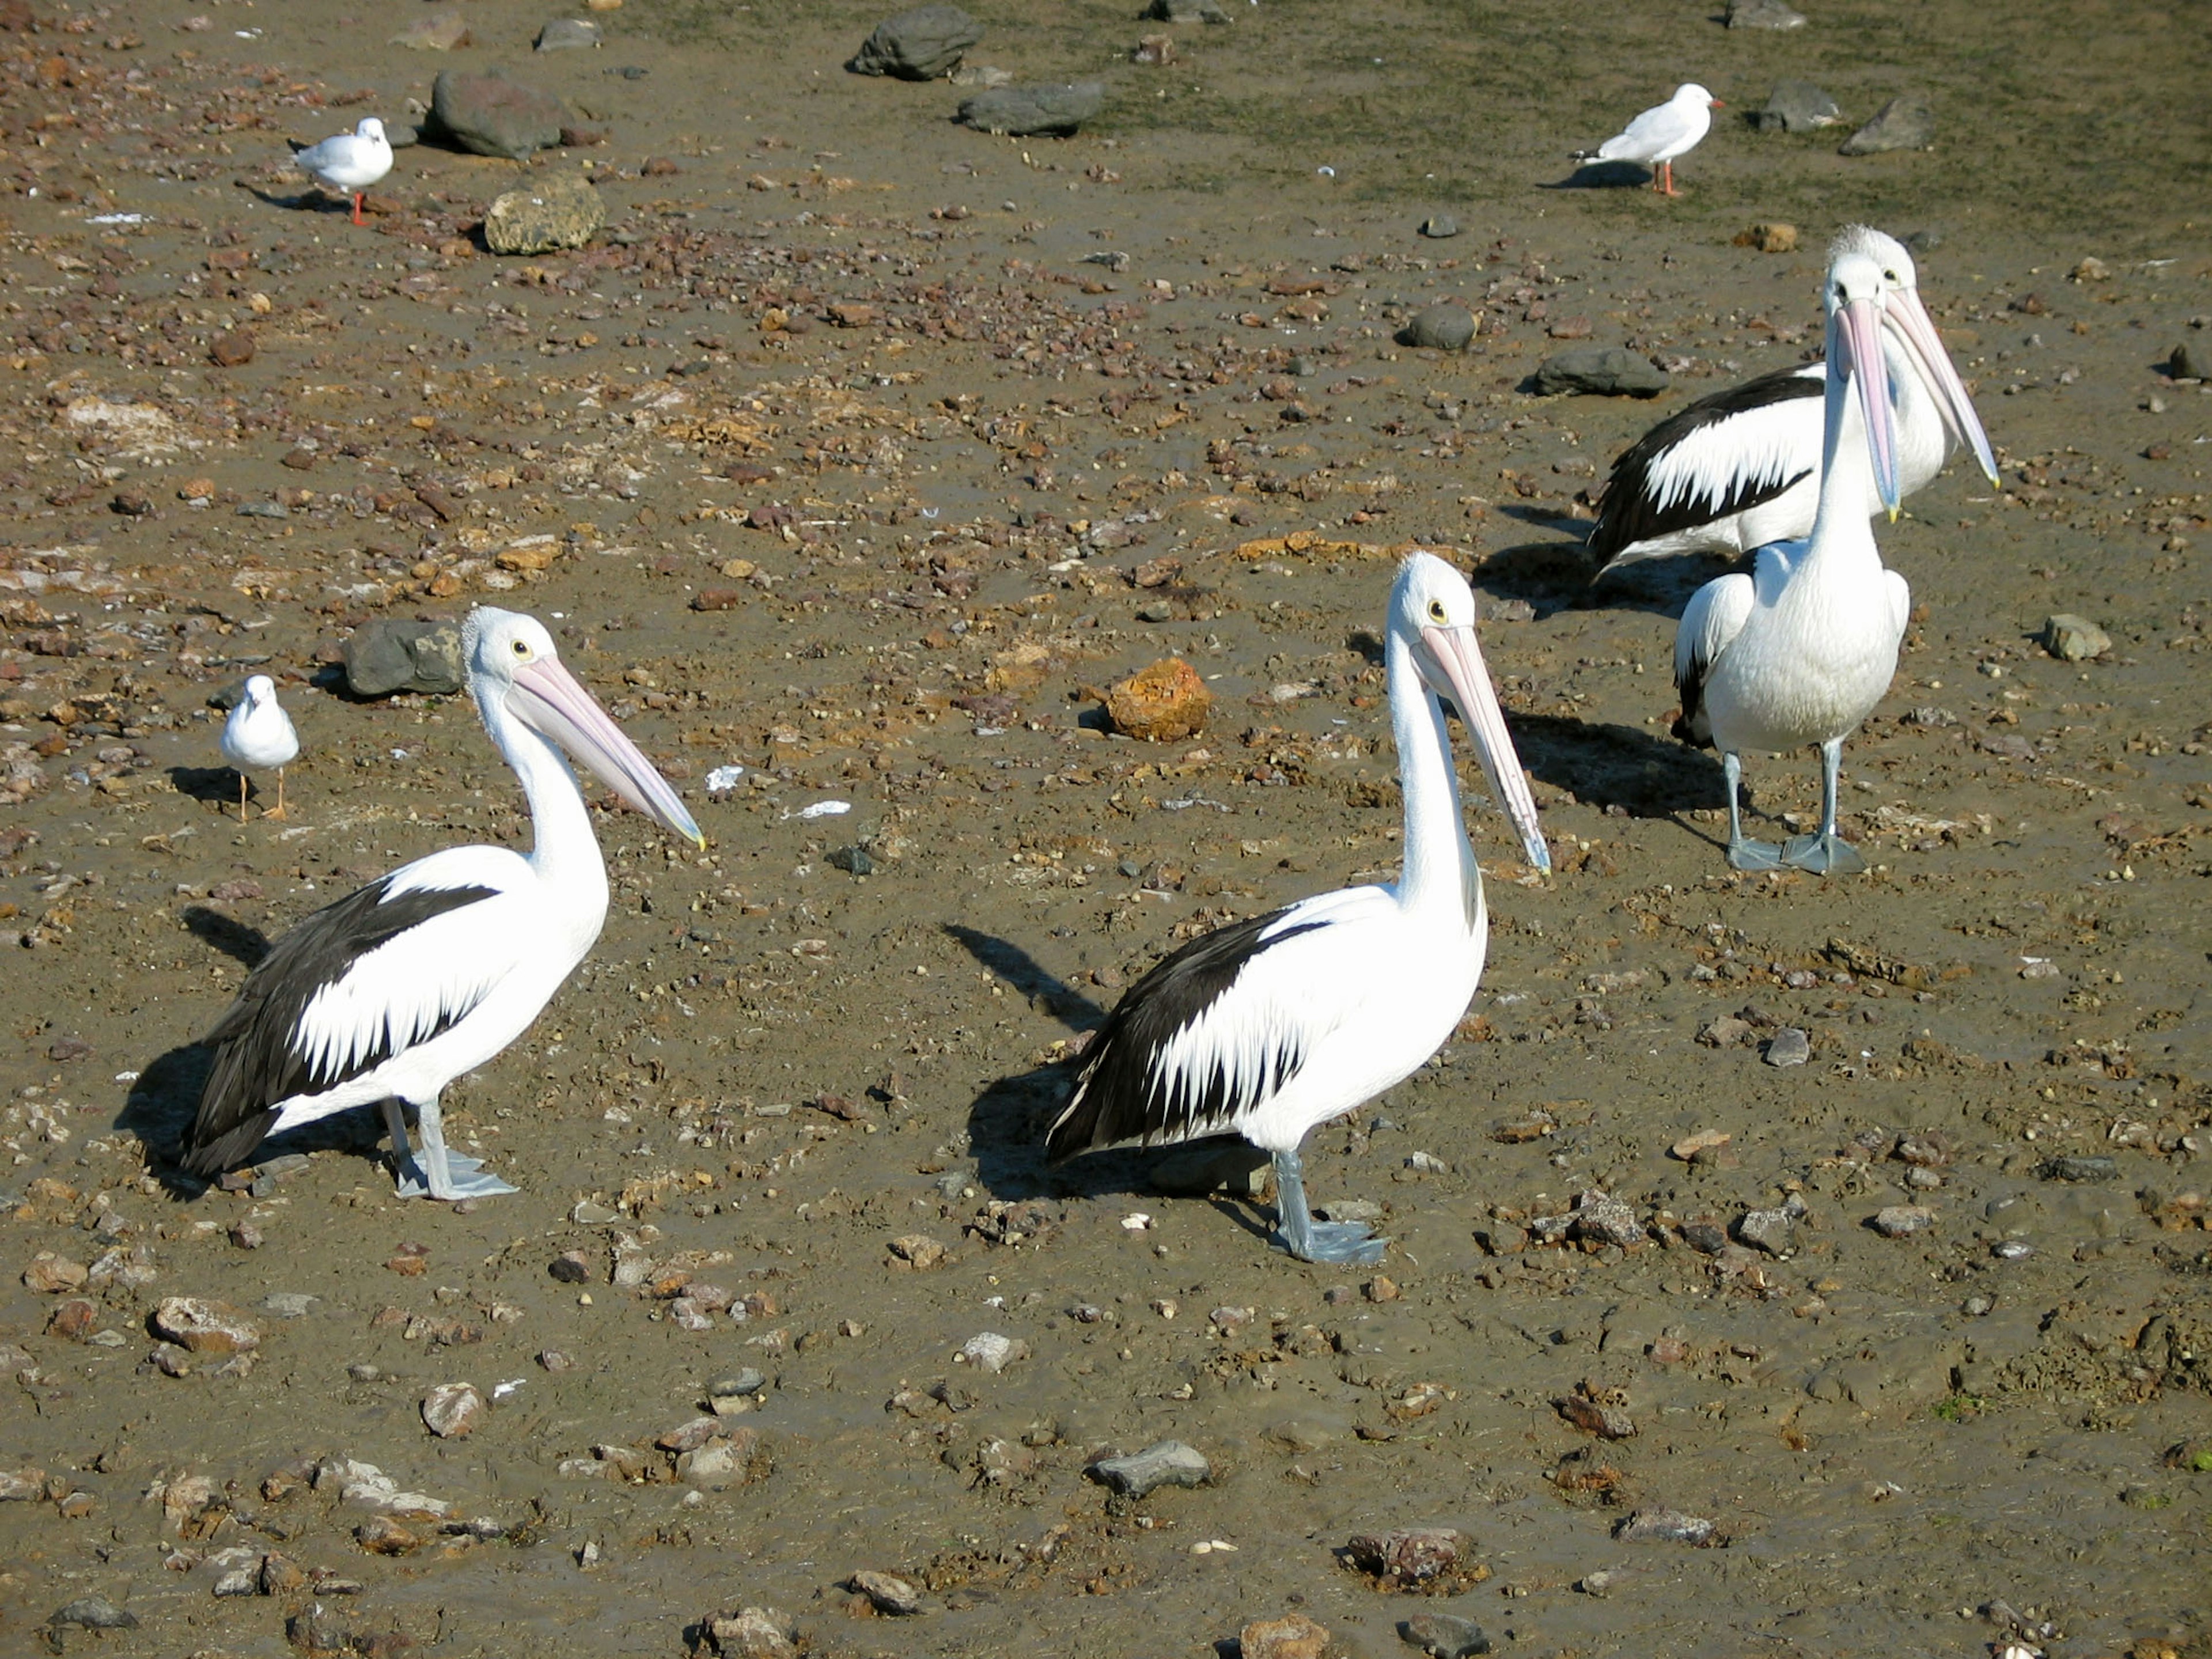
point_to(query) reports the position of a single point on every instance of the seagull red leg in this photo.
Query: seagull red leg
(357, 219)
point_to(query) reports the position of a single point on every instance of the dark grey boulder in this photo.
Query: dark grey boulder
(1024, 112)
(1797, 106)
(1444, 327)
(920, 45)
(391, 655)
(491, 115)
(1187, 11)
(1439, 226)
(1612, 371)
(1763, 14)
(1904, 123)
(2191, 361)
(1170, 1463)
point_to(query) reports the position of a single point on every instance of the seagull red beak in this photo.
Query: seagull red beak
(552, 703)
(1458, 657)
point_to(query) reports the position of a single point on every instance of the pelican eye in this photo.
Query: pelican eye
(522, 648)
(1436, 610)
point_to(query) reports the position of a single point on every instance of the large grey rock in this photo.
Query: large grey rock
(491, 115)
(1608, 370)
(1763, 14)
(2191, 361)
(392, 655)
(1187, 11)
(560, 211)
(1797, 106)
(1444, 327)
(1170, 1463)
(1904, 123)
(918, 44)
(568, 34)
(1021, 112)
(2074, 638)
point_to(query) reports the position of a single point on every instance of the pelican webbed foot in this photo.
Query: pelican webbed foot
(1826, 855)
(1746, 854)
(1347, 1243)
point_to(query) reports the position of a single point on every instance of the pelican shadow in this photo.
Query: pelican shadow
(1547, 576)
(1645, 775)
(1603, 175)
(1662, 586)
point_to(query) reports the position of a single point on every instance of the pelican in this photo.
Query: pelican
(1660, 134)
(1741, 468)
(1271, 1026)
(1799, 650)
(347, 163)
(394, 990)
(258, 735)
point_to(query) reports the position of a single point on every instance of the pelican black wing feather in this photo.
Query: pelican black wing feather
(1631, 511)
(258, 1058)
(1123, 1095)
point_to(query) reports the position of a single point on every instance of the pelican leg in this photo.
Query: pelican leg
(278, 811)
(441, 1174)
(1744, 855)
(1297, 1232)
(1827, 853)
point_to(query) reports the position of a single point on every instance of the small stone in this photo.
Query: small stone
(733, 1461)
(1446, 325)
(1771, 1230)
(290, 1304)
(232, 349)
(752, 1633)
(570, 1268)
(382, 1536)
(728, 1396)
(1443, 1636)
(1167, 1463)
(1789, 1046)
(54, 1275)
(853, 860)
(453, 1409)
(205, 1325)
(1601, 1418)
(2191, 359)
(568, 34)
(691, 1435)
(1295, 1636)
(560, 211)
(23, 1485)
(1610, 371)
(1438, 227)
(920, 1251)
(1024, 112)
(1724, 1031)
(920, 45)
(1607, 1220)
(992, 1353)
(278, 1576)
(1410, 1555)
(1903, 1220)
(2074, 638)
(1763, 14)
(1156, 51)
(1769, 238)
(1797, 107)
(1902, 124)
(238, 1581)
(1690, 1145)
(491, 115)
(889, 1594)
(391, 654)
(94, 1613)
(441, 31)
(1664, 1527)
(1162, 703)
(2074, 1167)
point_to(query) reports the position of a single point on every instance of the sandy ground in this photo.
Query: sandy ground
(822, 310)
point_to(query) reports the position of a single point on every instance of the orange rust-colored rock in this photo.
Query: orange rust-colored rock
(1162, 703)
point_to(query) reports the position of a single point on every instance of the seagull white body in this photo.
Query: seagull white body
(1271, 1026)
(1741, 468)
(347, 163)
(1800, 649)
(1660, 134)
(259, 736)
(389, 994)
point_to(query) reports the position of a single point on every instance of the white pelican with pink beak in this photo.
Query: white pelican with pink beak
(389, 994)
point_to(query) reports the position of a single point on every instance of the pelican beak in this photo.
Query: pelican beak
(1858, 335)
(1908, 320)
(1458, 657)
(552, 703)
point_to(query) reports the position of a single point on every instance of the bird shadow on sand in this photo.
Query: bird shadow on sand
(1548, 577)
(1662, 586)
(1644, 773)
(1007, 1122)
(1603, 175)
(310, 200)
(218, 784)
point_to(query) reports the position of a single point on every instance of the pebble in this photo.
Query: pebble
(728, 1396)
(1446, 325)
(750, 1633)
(392, 654)
(1187, 11)
(571, 1267)
(920, 1251)
(1611, 371)
(889, 1594)
(1439, 226)
(920, 45)
(290, 1304)
(1164, 702)
(382, 1536)
(990, 1351)
(1294, 1636)
(733, 1461)
(1772, 237)
(2012, 1250)
(23, 1485)
(1763, 14)
(1024, 112)
(1411, 1555)
(1444, 1635)
(1771, 1230)
(2074, 1167)
(1789, 1046)
(54, 1275)
(452, 1410)
(1903, 1220)
(232, 349)
(1797, 107)
(1902, 124)
(1168, 1463)
(441, 31)
(2074, 638)
(488, 114)
(560, 211)
(1690, 1145)
(93, 1613)
(1664, 1527)
(1601, 1418)
(2191, 359)
(568, 34)
(205, 1325)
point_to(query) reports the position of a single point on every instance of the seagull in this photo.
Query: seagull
(1799, 650)
(1741, 468)
(1660, 134)
(1267, 1027)
(258, 735)
(392, 993)
(349, 163)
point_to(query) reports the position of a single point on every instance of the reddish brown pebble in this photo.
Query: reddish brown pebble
(51, 1274)
(1380, 1289)
(246, 1236)
(1161, 703)
(73, 1320)
(381, 1535)
(1293, 1638)
(718, 598)
(1410, 1555)
(232, 350)
(453, 1409)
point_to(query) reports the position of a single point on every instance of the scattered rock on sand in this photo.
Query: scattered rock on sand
(53, 1275)
(1797, 106)
(1169, 1463)
(1902, 124)
(1769, 238)
(1444, 1635)
(1612, 371)
(441, 31)
(1161, 703)
(1789, 1046)
(2074, 638)
(2191, 359)
(1763, 14)
(1187, 11)
(205, 1325)
(1412, 1555)
(1664, 1527)
(1296, 1636)
(92, 1613)
(491, 115)
(1439, 226)
(231, 349)
(560, 210)
(1903, 1220)
(751, 1634)
(391, 654)
(888, 1593)
(1056, 110)
(1446, 325)
(452, 1410)
(568, 34)
(918, 44)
